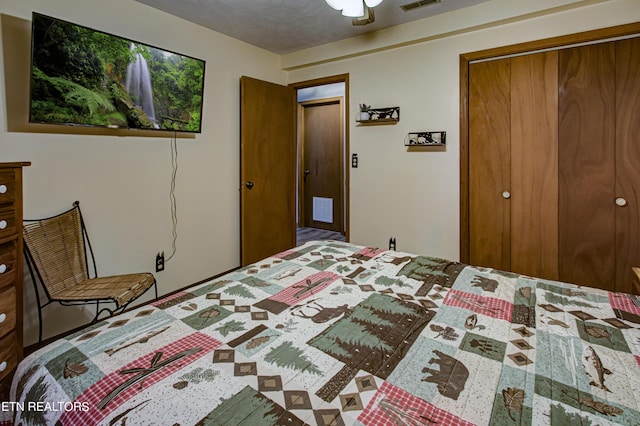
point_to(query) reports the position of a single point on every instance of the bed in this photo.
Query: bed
(331, 333)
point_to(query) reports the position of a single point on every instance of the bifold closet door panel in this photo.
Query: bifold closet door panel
(627, 162)
(489, 164)
(586, 113)
(534, 165)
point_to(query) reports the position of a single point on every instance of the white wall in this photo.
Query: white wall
(414, 196)
(123, 182)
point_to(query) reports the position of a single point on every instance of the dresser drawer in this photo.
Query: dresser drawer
(7, 310)
(8, 259)
(8, 354)
(8, 225)
(7, 186)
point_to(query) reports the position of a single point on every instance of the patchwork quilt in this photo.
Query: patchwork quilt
(332, 333)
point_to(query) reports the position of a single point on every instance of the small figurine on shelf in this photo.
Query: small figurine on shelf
(364, 112)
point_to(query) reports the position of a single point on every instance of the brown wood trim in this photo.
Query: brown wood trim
(15, 164)
(338, 78)
(464, 160)
(555, 42)
(531, 46)
(19, 206)
(636, 280)
(300, 157)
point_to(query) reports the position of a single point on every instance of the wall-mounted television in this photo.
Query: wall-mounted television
(85, 77)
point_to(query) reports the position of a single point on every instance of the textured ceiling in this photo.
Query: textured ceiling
(285, 26)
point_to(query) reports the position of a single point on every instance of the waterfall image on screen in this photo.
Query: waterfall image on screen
(138, 85)
(81, 76)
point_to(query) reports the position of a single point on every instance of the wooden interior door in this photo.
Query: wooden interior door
(627, 162)
(322, 177)
(513, 164)
(598, 172)
(490, 164)
(267, 169)
(534, 164)
(586, 109)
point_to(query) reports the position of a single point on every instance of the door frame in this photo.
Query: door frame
(340, 78)
(301, 154)
(594, 36)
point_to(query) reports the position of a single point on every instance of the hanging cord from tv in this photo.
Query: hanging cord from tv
(172, 195)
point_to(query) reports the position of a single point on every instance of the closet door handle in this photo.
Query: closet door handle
(621, 202)
(506, 195)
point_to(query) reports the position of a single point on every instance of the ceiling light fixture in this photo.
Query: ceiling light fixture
(352, 8)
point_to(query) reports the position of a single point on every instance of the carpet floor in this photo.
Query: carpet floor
(311, 234)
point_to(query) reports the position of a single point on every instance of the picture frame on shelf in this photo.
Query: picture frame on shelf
(386, 115)
(436, 138)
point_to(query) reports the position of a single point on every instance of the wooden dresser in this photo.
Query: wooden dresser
(10, 266)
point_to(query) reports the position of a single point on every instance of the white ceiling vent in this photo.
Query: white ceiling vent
(417, 4)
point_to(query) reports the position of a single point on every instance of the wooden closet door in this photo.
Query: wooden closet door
(534, 165)
(489, 164)
(627, 218)
(587, 164)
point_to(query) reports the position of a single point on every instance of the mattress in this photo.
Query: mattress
(332, 333)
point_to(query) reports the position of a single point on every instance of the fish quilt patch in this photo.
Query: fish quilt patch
(333, 333)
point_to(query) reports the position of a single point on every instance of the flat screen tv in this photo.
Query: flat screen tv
(85, 77)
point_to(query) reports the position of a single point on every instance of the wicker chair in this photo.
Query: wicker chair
(56, 250)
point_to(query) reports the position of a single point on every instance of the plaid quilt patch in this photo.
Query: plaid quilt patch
(393, 406)
(138, 375)
(334, 333)
(489, 306)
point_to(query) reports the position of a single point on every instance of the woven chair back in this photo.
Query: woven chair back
(57, 248)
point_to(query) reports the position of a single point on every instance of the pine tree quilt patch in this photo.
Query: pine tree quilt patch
(333, 333)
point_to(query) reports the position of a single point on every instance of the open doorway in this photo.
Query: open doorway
(322, 178)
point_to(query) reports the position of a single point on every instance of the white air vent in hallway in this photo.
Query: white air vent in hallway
(417, 4)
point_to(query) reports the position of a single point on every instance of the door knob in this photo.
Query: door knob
(621, 202)
(307, 171)
(249, 184)
(506, 195)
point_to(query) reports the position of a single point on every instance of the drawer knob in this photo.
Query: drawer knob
(3, 366)
(3, 189)
(3, 317)
(3, 268)
(506, 195)
(3, 224)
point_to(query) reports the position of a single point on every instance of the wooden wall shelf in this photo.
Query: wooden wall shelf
(374, 122)
(438, 138)
(388, 115)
